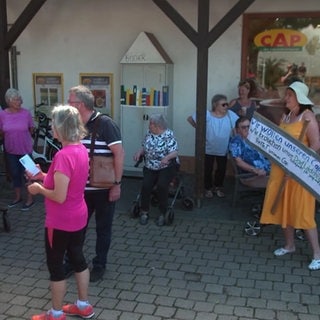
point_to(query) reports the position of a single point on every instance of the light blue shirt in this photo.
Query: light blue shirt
(218, 132)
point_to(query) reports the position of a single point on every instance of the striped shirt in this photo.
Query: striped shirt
(108, 134)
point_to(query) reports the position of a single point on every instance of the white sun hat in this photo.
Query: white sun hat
(301, 90)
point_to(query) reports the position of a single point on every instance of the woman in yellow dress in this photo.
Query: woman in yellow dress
(296, 207)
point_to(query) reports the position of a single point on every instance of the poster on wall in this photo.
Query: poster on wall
(47, 91)
(101, 85)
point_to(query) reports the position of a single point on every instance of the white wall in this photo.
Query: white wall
(76, 36)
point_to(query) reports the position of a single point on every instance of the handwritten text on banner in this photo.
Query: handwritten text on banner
(291, 155)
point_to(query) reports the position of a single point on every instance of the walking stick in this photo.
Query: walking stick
(284, 179)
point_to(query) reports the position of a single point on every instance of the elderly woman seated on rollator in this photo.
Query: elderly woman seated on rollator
(160, 152)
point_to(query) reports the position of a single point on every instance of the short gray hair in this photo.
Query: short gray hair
(12, 94)
(216, 98)
(84, 95)
(159, 120)
(67, 122)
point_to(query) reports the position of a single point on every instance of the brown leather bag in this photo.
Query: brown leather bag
(101, 167)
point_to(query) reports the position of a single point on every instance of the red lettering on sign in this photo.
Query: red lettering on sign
(280, 38)
(294, 39)
(266, 41)
(280, 41)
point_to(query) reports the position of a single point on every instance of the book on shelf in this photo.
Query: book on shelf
(138, 98)
(142, 97)
(148, 100)
(152, 96)
(128, 94)
(159, 98)
(122, 95)
(156, 98)
(165, 95)
(133, 101)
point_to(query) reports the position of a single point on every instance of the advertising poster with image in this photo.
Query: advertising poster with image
(101, 85)
(47, 90)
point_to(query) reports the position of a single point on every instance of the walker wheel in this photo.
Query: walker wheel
(256, 208)
(188, 203)
(252, 228)
(135, 210)
(168, 217)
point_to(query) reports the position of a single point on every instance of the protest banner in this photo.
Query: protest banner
(297, 160)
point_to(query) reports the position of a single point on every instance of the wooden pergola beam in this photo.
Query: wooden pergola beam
(202, 39)
(23, 20)
(8, 37)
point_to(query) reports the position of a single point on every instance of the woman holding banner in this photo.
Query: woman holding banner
(287, 202)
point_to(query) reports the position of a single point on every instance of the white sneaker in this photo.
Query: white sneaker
(282, 251)
(314, 265)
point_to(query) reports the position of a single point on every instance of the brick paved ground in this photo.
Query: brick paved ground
(202, 267)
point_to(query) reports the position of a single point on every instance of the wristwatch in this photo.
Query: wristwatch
(117, 183)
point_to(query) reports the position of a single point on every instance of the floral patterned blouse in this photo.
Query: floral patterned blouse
(156, 147)
(239, 148)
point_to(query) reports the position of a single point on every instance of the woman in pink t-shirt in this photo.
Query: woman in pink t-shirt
(16, 127)
(66, 213)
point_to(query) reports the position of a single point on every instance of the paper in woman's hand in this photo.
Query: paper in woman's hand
(29, 164)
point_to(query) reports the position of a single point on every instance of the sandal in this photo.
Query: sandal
(208, 194)
(219, 193)
(282, 251)
(314, 265)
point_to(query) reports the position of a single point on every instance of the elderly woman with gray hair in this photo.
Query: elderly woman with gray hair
(220, 123)
(160, 151)
(16, 128)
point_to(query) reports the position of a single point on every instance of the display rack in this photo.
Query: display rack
(146, 88)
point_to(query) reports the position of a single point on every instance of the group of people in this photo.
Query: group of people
(70, 201)
(296, 208)
(227, 127)
(220, 128)
(160, 149)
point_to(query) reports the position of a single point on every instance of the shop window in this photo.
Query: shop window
(280, 47)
